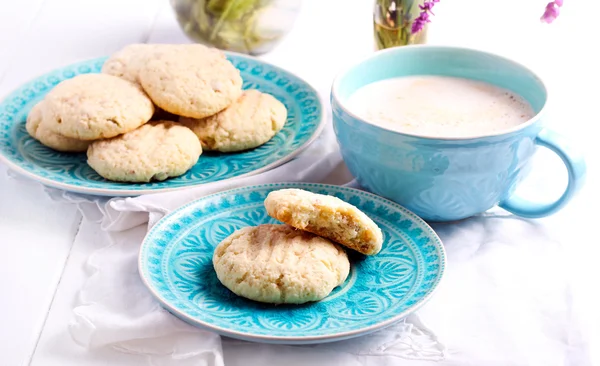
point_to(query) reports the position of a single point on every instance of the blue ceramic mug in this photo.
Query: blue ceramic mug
(445, 179)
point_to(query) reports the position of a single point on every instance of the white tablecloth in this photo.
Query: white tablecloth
(502, 301)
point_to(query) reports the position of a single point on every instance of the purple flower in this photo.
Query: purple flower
(552, 11)
(423, 17)
(550, 14)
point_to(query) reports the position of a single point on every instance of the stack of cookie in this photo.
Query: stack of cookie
(296, 262)
(153, 110)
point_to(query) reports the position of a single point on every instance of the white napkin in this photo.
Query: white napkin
(506, 299)
(115, 309)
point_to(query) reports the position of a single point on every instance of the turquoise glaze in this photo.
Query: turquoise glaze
(70, 172)
(175, 263)
(445, 179)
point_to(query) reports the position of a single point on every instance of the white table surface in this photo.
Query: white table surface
(43, 244)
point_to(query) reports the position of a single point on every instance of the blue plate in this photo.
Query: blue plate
(175, 263)
(71, 172)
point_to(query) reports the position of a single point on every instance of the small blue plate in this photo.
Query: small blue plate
(70, 172)
(175, 263)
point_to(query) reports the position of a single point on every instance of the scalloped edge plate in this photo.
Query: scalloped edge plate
(157, 231)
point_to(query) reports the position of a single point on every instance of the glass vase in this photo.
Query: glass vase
(248, 26)
(392, 23)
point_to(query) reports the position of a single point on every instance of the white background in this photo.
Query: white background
(44, 243)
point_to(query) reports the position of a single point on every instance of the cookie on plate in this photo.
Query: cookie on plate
(39, 130)
(96, 106)
(252, 120)
(153, 152)
(128, 61)
(193, 81)
(279, 264)
(327, 216)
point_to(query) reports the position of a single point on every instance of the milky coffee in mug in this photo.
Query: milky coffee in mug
(447, 132)
(439, 106)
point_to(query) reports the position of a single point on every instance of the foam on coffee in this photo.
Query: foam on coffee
(439, 106)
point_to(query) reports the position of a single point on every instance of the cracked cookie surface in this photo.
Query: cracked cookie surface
(279, 264)
(193, 81)
(38, 129)
(327, 216)
(96, 106)
(252, 120)
(153, 152)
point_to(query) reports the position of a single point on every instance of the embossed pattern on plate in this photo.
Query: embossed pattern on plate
(71, 172)
(176, 265)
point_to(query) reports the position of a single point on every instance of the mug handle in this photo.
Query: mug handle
(576, 168)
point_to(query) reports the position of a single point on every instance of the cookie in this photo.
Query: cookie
(279, 264)
(127, 62)
(194, 82)
(39, 130)
(153, 152)
(252, 120)
(327, 216)
(96, 106)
